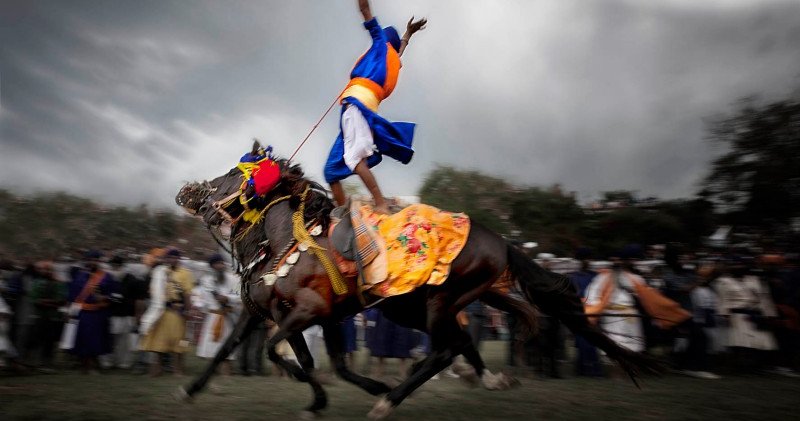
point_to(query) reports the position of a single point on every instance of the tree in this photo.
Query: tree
(548, 217)
(485, 199)
(757, 180)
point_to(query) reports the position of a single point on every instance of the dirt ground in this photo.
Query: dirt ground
(69, 395)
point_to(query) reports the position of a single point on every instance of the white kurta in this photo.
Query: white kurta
(749, 293)
(704, 299)
(204, 300)
(158, 278)
(627, 332)
(5, 317)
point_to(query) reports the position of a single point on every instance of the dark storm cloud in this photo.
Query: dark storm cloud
(125, 100)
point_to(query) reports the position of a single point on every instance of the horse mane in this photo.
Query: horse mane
(293, 183)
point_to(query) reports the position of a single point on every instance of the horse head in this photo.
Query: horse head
(223, 201)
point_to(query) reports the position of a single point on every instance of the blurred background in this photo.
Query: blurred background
(653, 138)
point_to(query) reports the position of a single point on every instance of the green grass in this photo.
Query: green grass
(116, 395)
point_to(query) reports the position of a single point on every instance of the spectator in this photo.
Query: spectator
(543, 348)
(349, 336)
(744, 305)
(7, 351)
(704, 321)
(24, 312)
(679, 282)
(123, 310)
(49, 295)
(612, 293)
(588, 361)
(142, 295)
(786, 326)
(218, 298)
(164, 323)
(89, 294)
(388, 340)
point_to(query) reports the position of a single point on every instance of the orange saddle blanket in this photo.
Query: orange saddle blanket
(412, 247)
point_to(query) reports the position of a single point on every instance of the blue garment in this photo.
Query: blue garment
(588, 360)
(388, 339)
(372, 65)
(391, 139)
(581, 280)
(94, 336)
(349, 333)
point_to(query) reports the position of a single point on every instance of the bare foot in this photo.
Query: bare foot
(381, 209)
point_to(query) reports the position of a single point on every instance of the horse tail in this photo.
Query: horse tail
(523, 310)
(555, 295)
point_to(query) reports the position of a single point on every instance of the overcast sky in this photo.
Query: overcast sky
(123, 101)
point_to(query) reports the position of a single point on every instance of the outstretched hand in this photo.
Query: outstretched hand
(412, 26)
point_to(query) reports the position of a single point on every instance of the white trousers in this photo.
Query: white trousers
(357, 136)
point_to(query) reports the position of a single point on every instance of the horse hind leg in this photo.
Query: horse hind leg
(444, 330)
(334, 343)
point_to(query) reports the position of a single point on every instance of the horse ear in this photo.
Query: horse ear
(256, 146)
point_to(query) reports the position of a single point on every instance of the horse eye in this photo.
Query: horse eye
(203, 208)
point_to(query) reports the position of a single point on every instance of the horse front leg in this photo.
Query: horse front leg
(244, 326)
(334, 343)
(444, 331)
(471, 374)
(290, 328)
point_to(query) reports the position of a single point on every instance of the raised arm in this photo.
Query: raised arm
(363, 5)
(411, 28)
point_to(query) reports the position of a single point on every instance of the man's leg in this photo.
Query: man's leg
(338, 193)
(363, 171)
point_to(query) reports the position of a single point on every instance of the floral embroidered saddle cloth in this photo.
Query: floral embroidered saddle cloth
(397, 253)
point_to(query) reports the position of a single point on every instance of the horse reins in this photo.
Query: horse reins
(325, 114)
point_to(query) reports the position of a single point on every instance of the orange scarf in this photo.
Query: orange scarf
(665, 312)
(91, 284)
(216, 329)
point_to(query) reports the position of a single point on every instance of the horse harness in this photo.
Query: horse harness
(302, 241)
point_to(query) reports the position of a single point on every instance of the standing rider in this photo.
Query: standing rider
(372, 79)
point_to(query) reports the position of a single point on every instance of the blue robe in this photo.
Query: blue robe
(393, 139)
(94, 336)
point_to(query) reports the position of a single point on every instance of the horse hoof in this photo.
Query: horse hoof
(468, 376)
(512, 382)
(382, 409)
(507, 381)
(307, 415)
(182, 396)
(495, 382)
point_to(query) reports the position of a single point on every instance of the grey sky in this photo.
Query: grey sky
(123, 101)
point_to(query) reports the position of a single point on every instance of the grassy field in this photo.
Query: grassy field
(117, 395)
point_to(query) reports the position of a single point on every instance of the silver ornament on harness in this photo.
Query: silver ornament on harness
(269, 279)
(292, 259)
(283, 271)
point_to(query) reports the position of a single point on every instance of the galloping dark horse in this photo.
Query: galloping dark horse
(304, 295)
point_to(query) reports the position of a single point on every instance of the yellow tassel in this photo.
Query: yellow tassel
(303, 237)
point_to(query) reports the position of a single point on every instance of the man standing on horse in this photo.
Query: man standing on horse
(365, 136)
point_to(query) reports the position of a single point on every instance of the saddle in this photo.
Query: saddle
(356, 248)
(394, 254)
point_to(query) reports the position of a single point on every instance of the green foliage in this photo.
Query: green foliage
(49, 225)
(483, 198)
(609, 232)
(556, 221)
(757, 180)
(549, 217)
